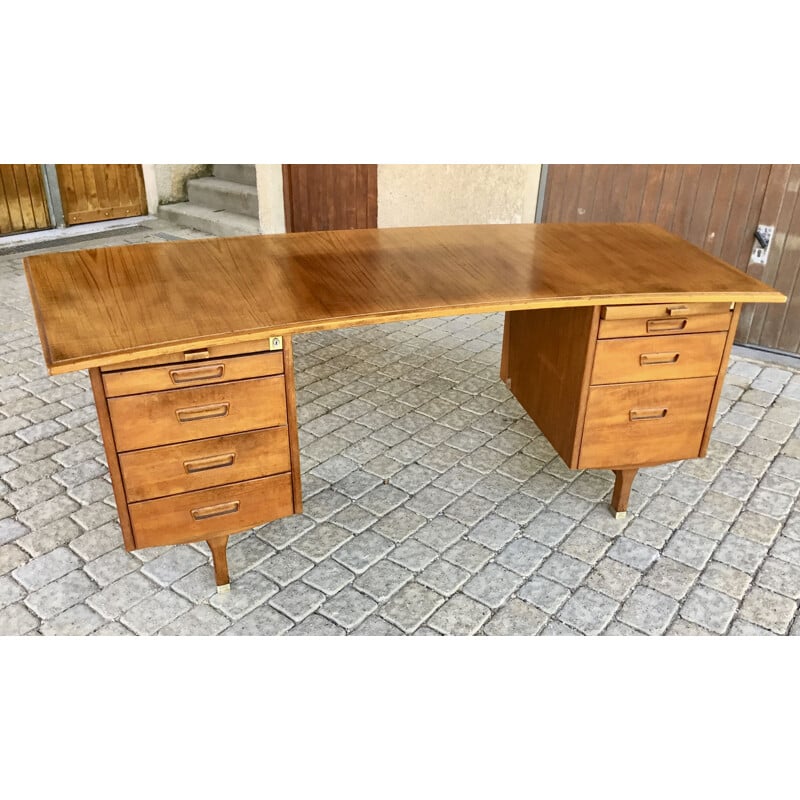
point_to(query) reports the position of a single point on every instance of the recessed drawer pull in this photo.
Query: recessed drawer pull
(651, 359)
(676, 324)
(210, 462)
(647, 413)
(672, 310)
(215, 511)
(187, 374)
(202, 412)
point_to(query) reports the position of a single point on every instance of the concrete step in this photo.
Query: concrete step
(238, 173)
(219, 195)
(218, 223)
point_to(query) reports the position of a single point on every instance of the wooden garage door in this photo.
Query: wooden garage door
(326, 197)
(717, 207)
(92, 192)
(23, 205)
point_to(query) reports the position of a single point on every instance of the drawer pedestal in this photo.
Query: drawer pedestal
(621, 387)
(201, 444)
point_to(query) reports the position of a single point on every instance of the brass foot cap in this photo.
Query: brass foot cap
(226, 587)
(620, 514)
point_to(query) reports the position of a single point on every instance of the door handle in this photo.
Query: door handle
(215, 511)
(187, 374)
(209, 462)
(651, 359)
(202, 412)
(638, 414)
(674, 324)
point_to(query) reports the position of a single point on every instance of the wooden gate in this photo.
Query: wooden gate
(23, 203)
(92, 192)
(716, 207)
(324, 197)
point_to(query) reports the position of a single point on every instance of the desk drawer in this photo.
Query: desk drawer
(176, 376)
(663, 320)
(199, 515)
(645, 423)
(667, 357)
(181, 415)
(176, 468)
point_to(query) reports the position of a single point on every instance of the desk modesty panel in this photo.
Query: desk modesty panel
(616, 342)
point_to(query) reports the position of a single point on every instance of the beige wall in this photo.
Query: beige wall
(269, 184)
(456, 194)
(171, 180)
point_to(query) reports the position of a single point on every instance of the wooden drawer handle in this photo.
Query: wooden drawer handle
(187, 374)
(647, 413)
(215, 511)
(203, 412)
(671, 310)
(676, 324)
(209, 462)
(651, 359)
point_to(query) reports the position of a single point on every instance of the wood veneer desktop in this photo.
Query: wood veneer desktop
(616, 342)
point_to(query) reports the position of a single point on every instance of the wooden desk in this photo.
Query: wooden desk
(616, 342)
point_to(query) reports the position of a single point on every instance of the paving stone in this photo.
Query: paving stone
(740, 627)
(516, 618)
(440, 533)
(247, 592)
(492, 586)
(648, 532)
(565, 570)
(79, 620)
(363, 551)
(680, 627)
(316, 625)
(468, 555)
(285, 567)
(11, 557)
(321, 541)
(620, 629)
(549, 528)
(706, 526)
(544, 594)
(329, 576)
(781, 577)
(689, 548)
(719, 506)
(444, 577)
(740, 553)
(459, 616)
(383, 580)
(348, 608)
(111, 566)
(493, 532)
(353, 518)
(376, 626)
(522, 556)
(201, 620)
(411, 606)
(613, 579)
(726, 579)
(60, 594)
(671, 577)
(585, 544)
(768, 610)
(430, 501)
(325, 504)
(588, 611)
(282, 532)
(469, 509)
(16, 620)
(709, 608)
(117, 597)
(399, 524)
(757, 527)
(48, 511)
(555, 628)
(176, 562)
(297, 600)
(413, 555)
(198, 586)
(46, 568)
(771, 504)
(382, 499)
(10, 591)
(787, 550)
(648, 610)
(95, 543)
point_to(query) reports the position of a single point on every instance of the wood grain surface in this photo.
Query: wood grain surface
(117, 304)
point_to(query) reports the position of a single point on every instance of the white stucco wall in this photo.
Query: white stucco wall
(456, 194)
(171, 180)
(269, 184)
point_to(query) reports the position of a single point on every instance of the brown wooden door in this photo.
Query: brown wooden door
(716, 207)
(325, 197)
(92, 192)
(23, 203)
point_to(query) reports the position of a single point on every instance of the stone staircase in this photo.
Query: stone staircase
(225, 204)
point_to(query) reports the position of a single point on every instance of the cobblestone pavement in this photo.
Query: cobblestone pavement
(433, 505)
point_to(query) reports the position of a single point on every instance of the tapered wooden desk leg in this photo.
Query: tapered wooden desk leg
(622, 491)
(219, 552)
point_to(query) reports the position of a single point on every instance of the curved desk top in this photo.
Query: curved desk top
(111, 305)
